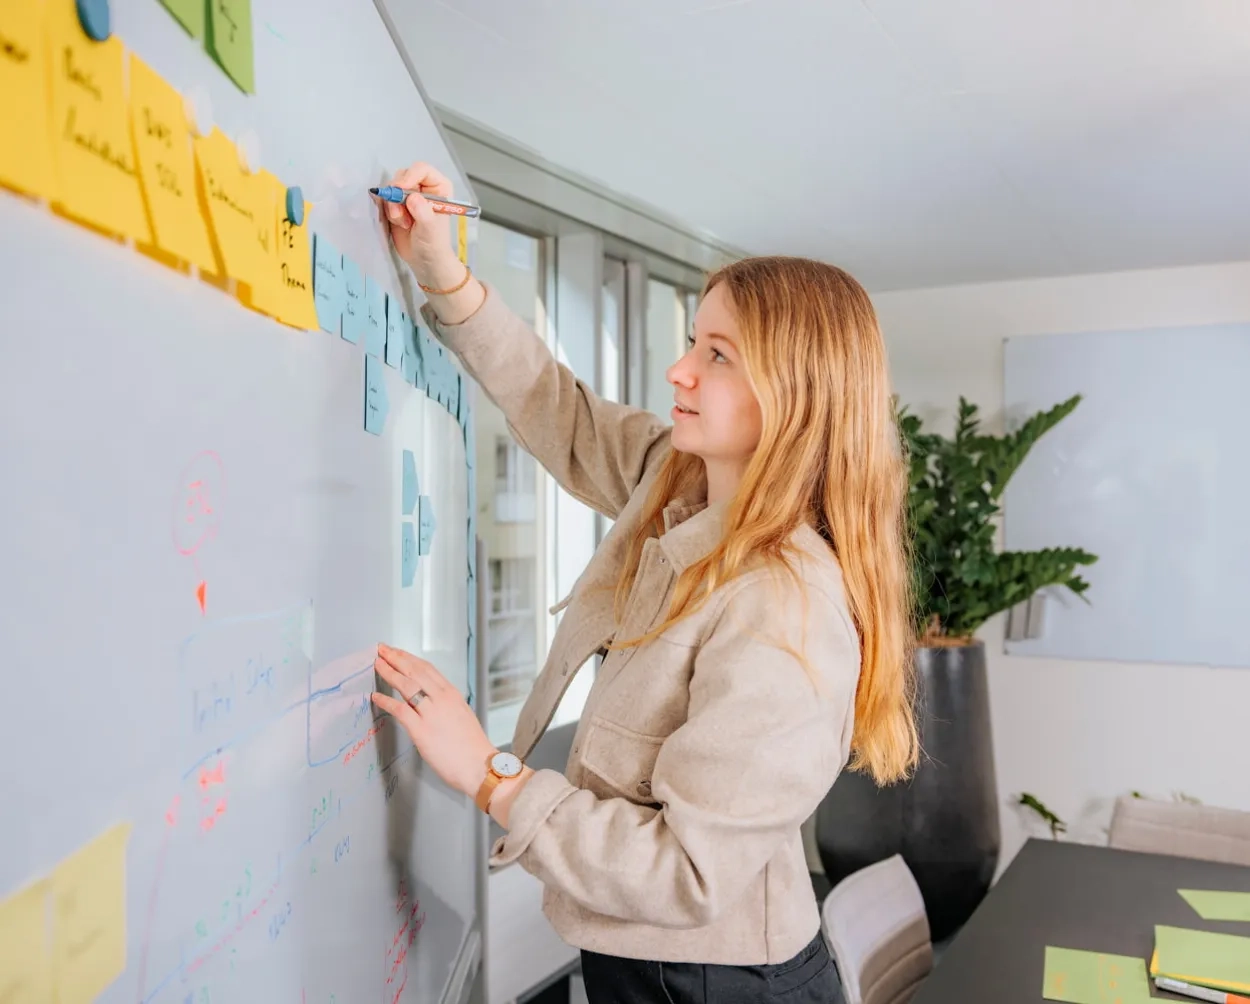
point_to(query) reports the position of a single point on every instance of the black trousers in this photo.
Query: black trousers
(808, 978)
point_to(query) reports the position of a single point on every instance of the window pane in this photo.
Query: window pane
(668, 323)
(509, 491)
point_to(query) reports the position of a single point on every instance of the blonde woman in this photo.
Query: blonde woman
(751, 599)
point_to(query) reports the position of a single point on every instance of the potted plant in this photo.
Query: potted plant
(944, 820)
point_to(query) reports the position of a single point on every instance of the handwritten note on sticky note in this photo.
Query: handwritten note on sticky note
(408, 555)
(190, 14)
(25, 139)
(167, 167)
(25, 949)
(354, 319)
(97, 181)
(375, 319)
(425, 518)
(262, 292)
(411, 362)
(228, 38)
(1081, 977)
(376, 405)
(394, 331)
(227, 194)
(89, 917)
(328, 284)
(295, 287)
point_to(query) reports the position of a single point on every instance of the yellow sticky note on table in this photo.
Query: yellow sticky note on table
(167, 167)
(97, 181)
(227, 196)
(25, 138)
(262, 292)
(295, 286)
(89, 917)
(25, 955)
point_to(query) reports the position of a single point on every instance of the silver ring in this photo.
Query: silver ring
(416, 699)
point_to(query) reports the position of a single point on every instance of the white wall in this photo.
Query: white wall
(1078, 734)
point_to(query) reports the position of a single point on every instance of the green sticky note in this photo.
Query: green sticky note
(1214, 960)
(229, 39)
(1080, 977)
(1211, 904)
(190, 14)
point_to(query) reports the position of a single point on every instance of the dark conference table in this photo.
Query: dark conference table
(1071, 896)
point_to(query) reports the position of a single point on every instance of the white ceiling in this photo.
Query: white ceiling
(914, 142)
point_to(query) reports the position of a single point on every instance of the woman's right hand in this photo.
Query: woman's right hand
(421, 236)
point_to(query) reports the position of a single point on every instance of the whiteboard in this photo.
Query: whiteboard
(156, 435)
(1151, 473)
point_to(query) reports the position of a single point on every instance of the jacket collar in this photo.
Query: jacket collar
(692, 530)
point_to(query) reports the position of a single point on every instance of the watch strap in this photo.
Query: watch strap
(489, 784)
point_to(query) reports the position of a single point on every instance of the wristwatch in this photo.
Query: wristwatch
(499, 767)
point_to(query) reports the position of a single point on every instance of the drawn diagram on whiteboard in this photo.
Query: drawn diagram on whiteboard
(196, 513)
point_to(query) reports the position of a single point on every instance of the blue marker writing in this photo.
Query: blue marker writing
(390, 193)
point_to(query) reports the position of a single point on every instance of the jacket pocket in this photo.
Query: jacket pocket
(620, 761)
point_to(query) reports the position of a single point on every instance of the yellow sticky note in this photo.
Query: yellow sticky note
(262, 292)
(25, 139)
(462, 239)
(89, 917)
(166, 166)
(227, 196)
(25, 957)
(97, 181)
(295, 287)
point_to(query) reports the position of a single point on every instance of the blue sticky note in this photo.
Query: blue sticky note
(412, 487)
(412, 355)
(375, 319)
(408, 554)
(421, 375)
(376, 404)
(355, 321)
(453, 392)
(425, 506)
(328, 284)
(394, 332)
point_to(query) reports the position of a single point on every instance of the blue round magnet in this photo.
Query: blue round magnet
(295, 205)
(93, 15)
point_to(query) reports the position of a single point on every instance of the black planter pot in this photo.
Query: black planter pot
(944, 821)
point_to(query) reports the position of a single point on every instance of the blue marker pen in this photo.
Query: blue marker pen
(390, 193)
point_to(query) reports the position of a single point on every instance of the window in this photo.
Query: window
(510, 490)
(512, 630)
(670, 321)
(516, 479)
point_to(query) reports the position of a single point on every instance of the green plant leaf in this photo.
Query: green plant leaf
(955, 484)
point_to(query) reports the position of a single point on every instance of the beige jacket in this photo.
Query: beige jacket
(674, 833)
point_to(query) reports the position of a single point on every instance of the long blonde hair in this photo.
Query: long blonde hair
(829, 455)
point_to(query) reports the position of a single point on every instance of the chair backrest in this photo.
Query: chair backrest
(1182, 830)
(875, 923)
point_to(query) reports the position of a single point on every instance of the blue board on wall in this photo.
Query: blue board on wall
(1151, 474)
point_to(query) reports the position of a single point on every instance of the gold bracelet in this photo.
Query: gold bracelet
(468, 274)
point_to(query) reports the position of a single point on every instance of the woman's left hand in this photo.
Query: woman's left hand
(443, 727)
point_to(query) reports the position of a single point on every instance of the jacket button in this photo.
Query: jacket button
(644, 787)
(663, 561)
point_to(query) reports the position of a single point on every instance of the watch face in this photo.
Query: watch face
(506, 764)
